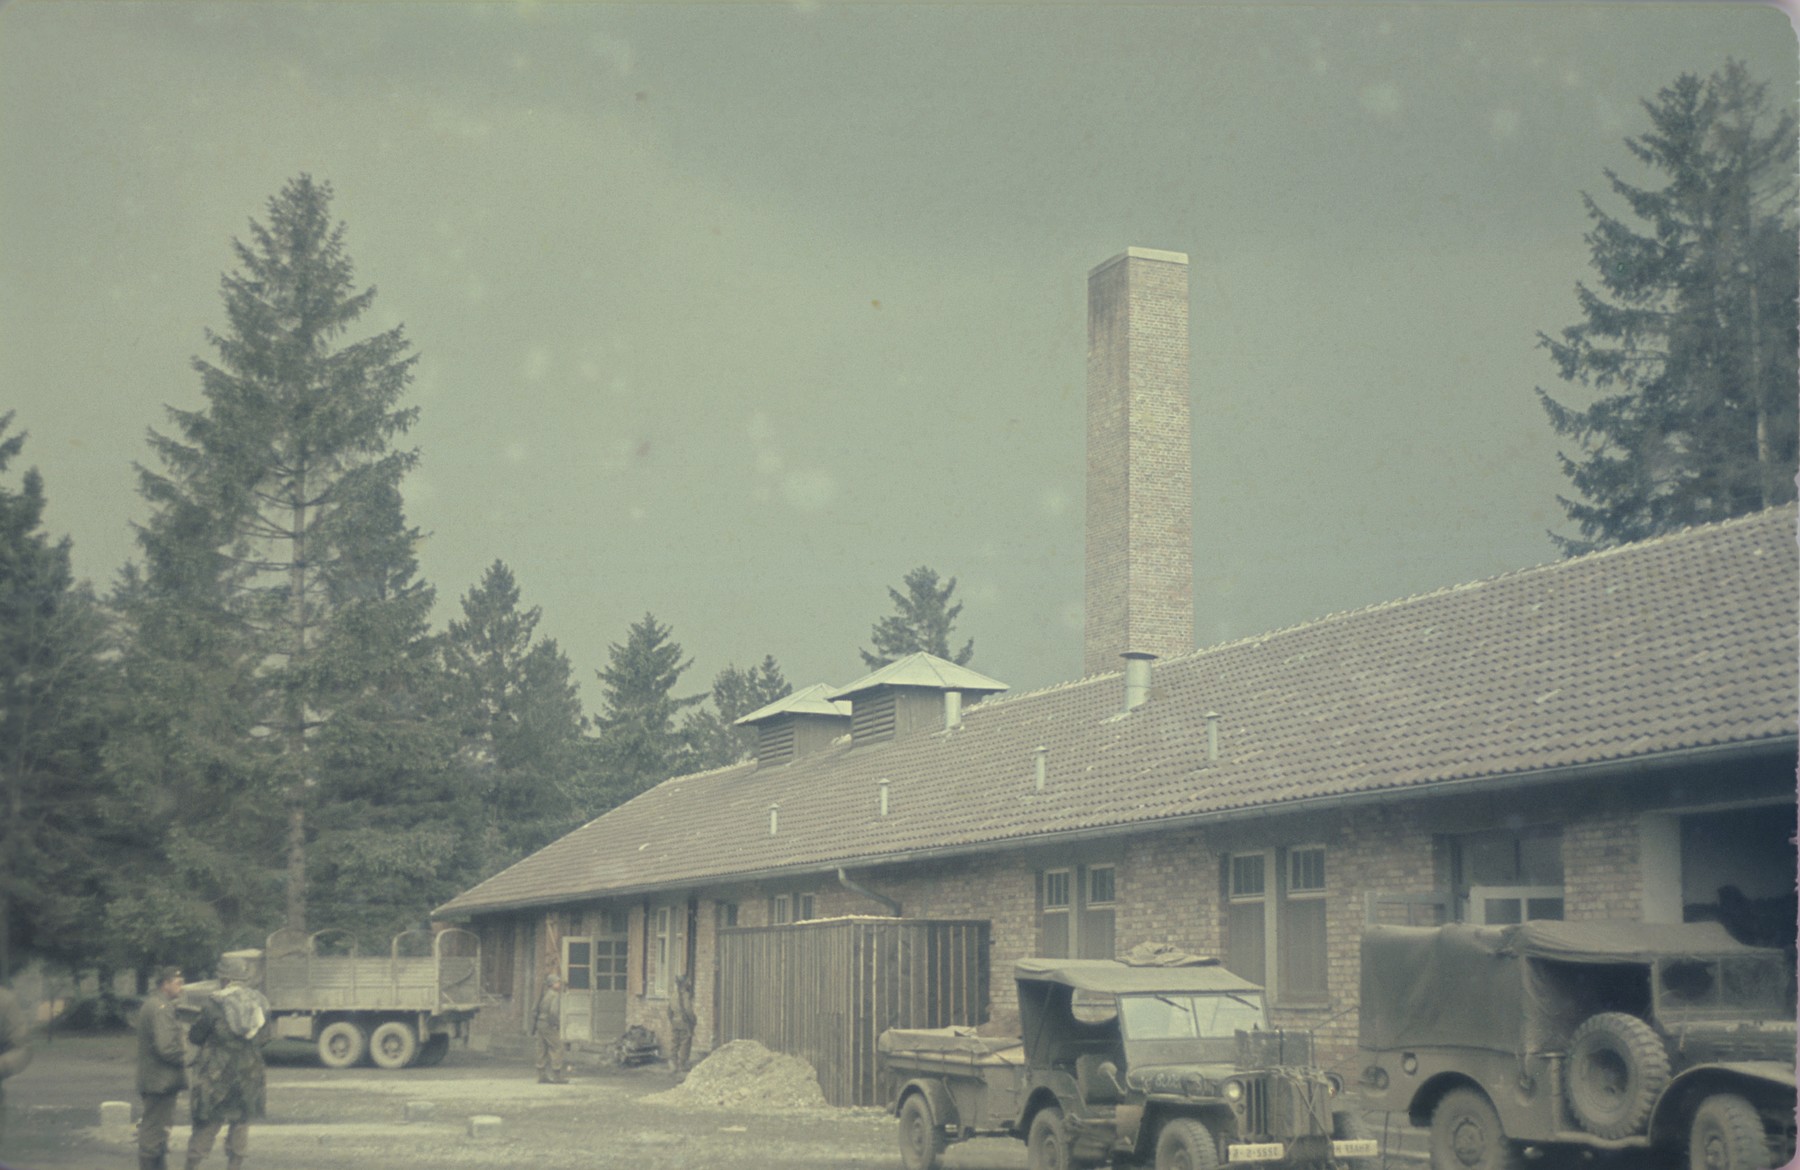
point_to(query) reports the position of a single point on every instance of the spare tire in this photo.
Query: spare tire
(1617, 1069)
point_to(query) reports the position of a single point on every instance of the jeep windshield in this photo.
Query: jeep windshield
(1729, 986)
(1189, 1016)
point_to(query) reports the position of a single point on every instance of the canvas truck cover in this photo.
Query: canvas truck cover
(1107, 975)
(1484, 986)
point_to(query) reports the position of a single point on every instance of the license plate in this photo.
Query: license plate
(1256, 1152)
(1360, 1148)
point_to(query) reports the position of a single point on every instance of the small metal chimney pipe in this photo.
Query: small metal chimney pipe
(881, 786)
(774, 819)
(1212, 735)
(1137, 678)
(1042, 766)
(952, 710)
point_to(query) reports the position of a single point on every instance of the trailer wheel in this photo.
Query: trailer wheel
(921, 1138)
(393, 1045)
(1466, 1134)
(433, 1050)
(342, 1044)
(1047, 1147)
(1617, 1069)
(1186, 1144)
(1728, 1135)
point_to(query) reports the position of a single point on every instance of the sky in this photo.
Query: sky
(735, 313)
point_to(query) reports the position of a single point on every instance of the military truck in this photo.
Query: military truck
(400, 1009)
(1514, 1042)
(1171, 1066)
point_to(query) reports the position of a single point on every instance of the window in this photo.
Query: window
(728, 913)
(578, 964)
(1504, 876)
(612, 952)
(1275, 921)
(1076, 912)
(790, 908)
(660, 951)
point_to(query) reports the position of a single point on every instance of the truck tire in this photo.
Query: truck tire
(921, 1138)
(1347, 1126)
(1728, 1135)
(1047, 1147)
(1617, 1069)
(393, 1045)
(433, 1050)
(342, 1044)
(1186, 1144)
(1466, 1134)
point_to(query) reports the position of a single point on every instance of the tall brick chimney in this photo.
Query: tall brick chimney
(1140, 543)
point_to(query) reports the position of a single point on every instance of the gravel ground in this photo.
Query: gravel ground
(370, 1119)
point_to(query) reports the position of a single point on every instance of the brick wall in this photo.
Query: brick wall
(1140, 557)
(1602, 876)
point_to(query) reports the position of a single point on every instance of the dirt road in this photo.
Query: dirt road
(366, 1119)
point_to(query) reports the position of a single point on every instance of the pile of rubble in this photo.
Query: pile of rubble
(743, 1072)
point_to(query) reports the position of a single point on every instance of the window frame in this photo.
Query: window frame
(1275, 889)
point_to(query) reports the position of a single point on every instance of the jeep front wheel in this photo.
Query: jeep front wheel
(1047, 1148)
(1186, 1144)
(1466, 1134)
(1727, 1135)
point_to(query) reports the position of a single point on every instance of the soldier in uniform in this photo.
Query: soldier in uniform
(229, 1081)
(15, 1046)
(681, 1024)
(546, 1025)
(161, 1068)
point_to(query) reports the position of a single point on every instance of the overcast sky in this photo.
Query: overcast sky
(736, 313)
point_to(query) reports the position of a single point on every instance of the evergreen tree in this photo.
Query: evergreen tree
(58, 819)
(640, 744)
(519, 720)
(277, 552)
(735, 693)
(1689, 345)
(922, 620)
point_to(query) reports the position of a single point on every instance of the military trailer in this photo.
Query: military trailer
(1170, 1066)
(395, 1010)
(1513, 1042)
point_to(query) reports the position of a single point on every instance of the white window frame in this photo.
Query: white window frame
(661, 950)
(1475, 913)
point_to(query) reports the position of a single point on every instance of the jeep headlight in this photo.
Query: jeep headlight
(1233, 1091)
(1334, 1084)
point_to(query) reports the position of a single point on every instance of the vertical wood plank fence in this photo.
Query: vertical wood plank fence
(825, 990)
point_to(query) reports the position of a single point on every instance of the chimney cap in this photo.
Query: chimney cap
(922, 670)
(813, 700)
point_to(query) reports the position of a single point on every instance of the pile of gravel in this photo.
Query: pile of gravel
(743, 1072)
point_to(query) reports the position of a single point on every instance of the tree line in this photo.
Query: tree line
(258, 726)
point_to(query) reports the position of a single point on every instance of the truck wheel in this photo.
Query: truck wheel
(1728, 1135)
(433, 1050)
(1047, 1148)
(1617, 1069)
(1466, 1134)
(921, 1139)
(342, 1044)
(393, 1045)
(1347, 1126)
(1186, 1144)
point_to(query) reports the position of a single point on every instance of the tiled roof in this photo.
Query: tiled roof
(1687, 641)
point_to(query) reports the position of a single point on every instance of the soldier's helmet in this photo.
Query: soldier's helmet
(236, 967)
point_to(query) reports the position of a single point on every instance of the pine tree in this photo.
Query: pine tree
(58, 831)
(277, 544)
(640, 744)
(1689, 345)
(735, 693)
(922, 621)
(519, 720)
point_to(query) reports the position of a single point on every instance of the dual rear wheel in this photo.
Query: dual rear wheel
(394, 1044)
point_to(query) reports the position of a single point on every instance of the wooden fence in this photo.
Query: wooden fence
(825, 990)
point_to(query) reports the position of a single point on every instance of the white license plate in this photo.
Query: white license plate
(1256, 1152)
(1360, 1148)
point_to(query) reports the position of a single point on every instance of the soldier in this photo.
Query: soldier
(681, 1024)
(15, 1046)
(229, 1080)
(546, 1025)
(161, 1068)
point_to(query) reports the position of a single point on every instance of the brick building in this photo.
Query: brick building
(1611, 736)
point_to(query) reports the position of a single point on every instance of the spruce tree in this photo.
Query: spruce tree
(640, 743)
(518, 717)
(277, 549)
(922, 620)
(1687, 348)
(735, 693)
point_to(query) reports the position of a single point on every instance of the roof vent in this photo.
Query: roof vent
(952, 710)
(881, 786)
(1042, 765)
(795, 725)
(909, 695)
(1137, 678)
(774, 819)
(1212, 735)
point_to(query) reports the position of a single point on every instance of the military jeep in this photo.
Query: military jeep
(1512, 1042)
(1170, 1066)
